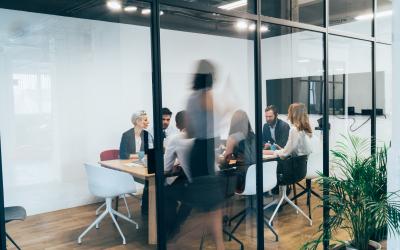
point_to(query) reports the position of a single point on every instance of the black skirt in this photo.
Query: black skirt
(207, 190)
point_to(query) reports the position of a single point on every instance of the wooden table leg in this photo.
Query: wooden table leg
(152, 212)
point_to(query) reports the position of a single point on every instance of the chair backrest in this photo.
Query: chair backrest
(104, 182)
(269, 178)
(111, 154)
(292, 170)
(314, 165)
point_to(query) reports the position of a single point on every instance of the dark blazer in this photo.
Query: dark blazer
(128, 144)
(281, 133)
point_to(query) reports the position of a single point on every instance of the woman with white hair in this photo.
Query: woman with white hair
(136, 139)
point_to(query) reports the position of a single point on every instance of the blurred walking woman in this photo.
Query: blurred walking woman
(200, 126)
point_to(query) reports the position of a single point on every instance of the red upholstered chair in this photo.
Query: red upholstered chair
(108, 155)
(111, 154)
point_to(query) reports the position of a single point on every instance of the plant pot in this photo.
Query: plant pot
(373, 245)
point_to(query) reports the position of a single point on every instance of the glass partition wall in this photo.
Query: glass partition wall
(216, 81)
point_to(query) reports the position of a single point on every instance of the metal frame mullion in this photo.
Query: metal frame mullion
(373, 114)
(258, 130)
(157, 106)
(292, 24)
(325, 130)
(351, 35)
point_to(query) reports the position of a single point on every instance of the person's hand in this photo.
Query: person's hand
(176, 169)
(278, 147)
(267, 146)
(268, 152)
(134, 156)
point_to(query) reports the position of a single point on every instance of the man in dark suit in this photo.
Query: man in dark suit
(275, 131)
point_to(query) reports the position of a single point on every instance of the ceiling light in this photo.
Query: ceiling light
(303, 60)
(146, 11)
(371, 15)
(130, 8)
(233, 5)
(264, 28)
(114, 5)
(252, 27)
(241, 25)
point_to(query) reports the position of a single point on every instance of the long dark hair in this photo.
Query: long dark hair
(240, 123)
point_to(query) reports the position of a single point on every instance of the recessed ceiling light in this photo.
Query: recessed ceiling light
(264, 28)
(241, 25)
(233, 5)
(146, 11)
(130, 8)
(252, 27)
(114, 5)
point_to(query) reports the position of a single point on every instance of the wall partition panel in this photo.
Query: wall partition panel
(351, 16)
(292, 73)
(68, 90)
(207, 66)
(303, 11)
(384, 107)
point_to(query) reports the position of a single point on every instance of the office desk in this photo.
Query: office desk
(139, 172)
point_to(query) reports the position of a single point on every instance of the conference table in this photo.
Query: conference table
(139, 171)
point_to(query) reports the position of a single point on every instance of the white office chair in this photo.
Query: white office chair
(137, 195)
(107, 183)
(314, 167)
(269, 182)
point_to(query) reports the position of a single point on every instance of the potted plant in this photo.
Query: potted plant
(358, 199)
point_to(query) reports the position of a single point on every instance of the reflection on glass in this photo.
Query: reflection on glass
(68, 89)
(384, 107)
(350, 88)
(228, 5)
(351, 16)
(292, 68)
(304, 11)
(384, 20)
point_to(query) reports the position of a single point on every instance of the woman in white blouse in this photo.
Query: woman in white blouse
(299, 141)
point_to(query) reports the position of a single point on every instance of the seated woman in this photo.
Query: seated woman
(299, 141)
(241, 145)
(136, 139)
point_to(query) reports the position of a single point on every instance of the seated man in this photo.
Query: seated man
(166, 120)
(275, 134)
(176, 159)
(275, 131)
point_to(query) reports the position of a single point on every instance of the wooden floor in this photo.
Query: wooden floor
(60, 230)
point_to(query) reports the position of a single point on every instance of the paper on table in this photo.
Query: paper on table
(132, 164)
